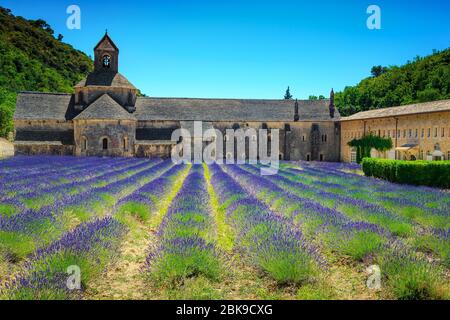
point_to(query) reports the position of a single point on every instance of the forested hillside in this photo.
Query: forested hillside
(421, 80)
(32, 59)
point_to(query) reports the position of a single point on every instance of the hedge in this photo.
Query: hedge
(424, 173)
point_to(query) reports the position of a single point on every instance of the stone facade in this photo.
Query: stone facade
(423, 135)
(104, 137)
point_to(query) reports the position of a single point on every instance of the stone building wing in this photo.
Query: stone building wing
(105, 108)
(418, 108)
(44, 106)
(184, 109)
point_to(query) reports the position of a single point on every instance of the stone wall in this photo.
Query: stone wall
(43, 148)
(153, 149)
(296, 138)
(424, 130)
(6, 149)
(90, 136)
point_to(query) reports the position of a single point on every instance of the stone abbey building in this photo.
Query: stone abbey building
(105, 116)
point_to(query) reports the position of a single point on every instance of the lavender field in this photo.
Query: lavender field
(101, 228)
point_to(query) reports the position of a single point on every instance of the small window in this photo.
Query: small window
(264, 126)
(435, 132)
(353, 156)
(308, 157)
(125, 143)
(105, 144)
(84, 144)
(429, 132)
(443, 132)
(106, 61)
(321, 157)
(423, 133)
(287, 127)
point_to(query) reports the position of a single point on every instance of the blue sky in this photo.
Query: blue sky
(247, 48)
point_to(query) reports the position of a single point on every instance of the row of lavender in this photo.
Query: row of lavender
(425, 228)
(186, 236)
(22, 233)
(409, 274)
(267, 240)
(89, 247)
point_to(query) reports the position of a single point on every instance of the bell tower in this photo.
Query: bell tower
(106, 55)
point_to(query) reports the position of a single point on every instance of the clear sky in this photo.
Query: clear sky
(249, 48)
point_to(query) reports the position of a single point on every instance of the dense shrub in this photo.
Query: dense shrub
(425, 173)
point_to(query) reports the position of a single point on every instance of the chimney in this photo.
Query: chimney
(296, 116)
(332, 107)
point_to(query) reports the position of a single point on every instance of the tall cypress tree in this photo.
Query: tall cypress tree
(288, 95)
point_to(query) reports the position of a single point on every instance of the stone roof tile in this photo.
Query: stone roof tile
(185, 109)
(106, 79)
(105, 108)
(43, 106)
(434, 106)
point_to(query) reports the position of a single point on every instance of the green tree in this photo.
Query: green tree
(32, 59)
(288, 95)
(421, 80)
(378, 71)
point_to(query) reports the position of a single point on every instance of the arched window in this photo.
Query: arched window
(106, 61)
(105, 143)
(125, 143)
(84, 143)
(264, 126)
(235, 126)
(287, 127)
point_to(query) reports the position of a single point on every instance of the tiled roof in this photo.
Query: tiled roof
(105, 108)
(40, 106)
(185, 109)
(106, 78)
(434, 106)
(43, 106)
